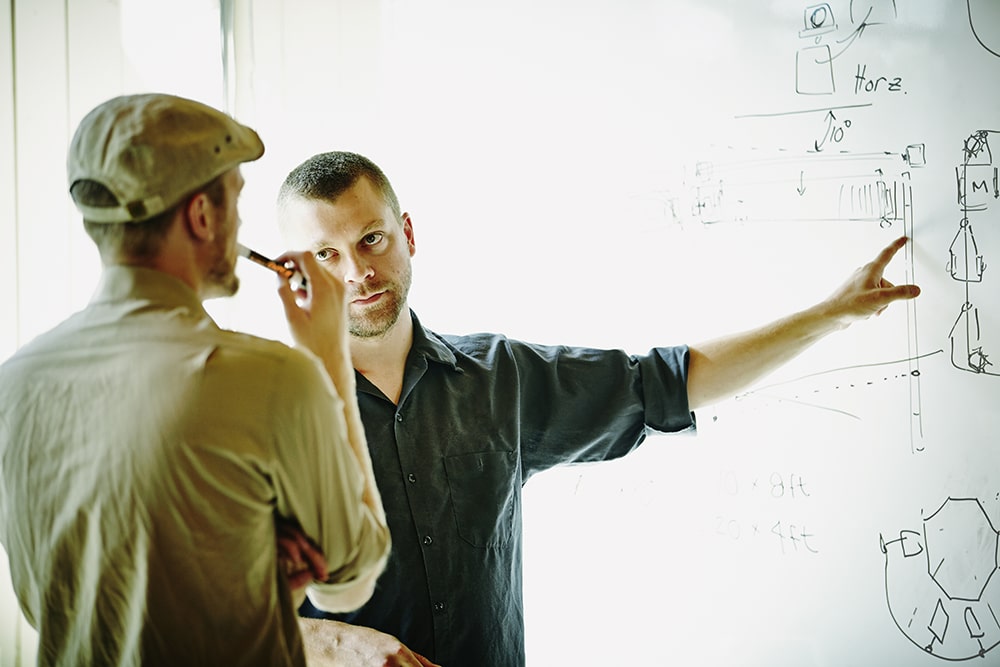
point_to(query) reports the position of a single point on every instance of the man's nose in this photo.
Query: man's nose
(356, 268)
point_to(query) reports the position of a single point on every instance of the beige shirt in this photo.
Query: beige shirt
(144, 455)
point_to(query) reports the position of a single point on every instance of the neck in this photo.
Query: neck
(176, 258)
(383, 359)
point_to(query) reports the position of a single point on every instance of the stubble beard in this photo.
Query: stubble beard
(221, 280)
(377, 322)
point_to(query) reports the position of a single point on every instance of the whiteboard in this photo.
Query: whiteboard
(630, 174)
(845, 512)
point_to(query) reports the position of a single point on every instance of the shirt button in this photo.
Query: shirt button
(439, 607)
(411, 478)
(399, 417)
(428, 540)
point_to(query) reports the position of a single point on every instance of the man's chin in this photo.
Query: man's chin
(373, 325)
(367, 330)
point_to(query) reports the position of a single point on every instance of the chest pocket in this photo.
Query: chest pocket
(483, 489)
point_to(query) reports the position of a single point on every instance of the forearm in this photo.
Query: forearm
(720, 368)
(344, 645)
(322, 640)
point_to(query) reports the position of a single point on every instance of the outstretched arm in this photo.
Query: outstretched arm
(722, 367)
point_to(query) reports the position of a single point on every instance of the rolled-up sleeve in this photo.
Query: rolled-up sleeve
(581, 404)
(664, 383)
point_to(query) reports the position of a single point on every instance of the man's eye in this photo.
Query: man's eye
(373, 238)
(324, 255)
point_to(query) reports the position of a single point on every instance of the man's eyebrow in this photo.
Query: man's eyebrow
(376, 224)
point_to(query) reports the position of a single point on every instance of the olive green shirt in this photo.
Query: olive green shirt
(144, 456)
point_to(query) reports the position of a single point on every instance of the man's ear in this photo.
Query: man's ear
(411, 241)
(200, 217)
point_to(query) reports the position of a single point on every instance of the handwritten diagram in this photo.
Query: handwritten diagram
(941, 581)
(839, 147)
(978, 193)
(823, 183)
(814, 72)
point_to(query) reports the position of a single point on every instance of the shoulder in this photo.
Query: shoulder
(451, 348)
(492, 350)
(264, 387)
(476, 343)
(249, 359)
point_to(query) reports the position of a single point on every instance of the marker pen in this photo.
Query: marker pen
(294, 277)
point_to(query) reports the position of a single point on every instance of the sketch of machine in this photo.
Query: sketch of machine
(941, 583)
(978, 192)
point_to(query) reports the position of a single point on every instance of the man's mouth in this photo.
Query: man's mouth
(366, 300)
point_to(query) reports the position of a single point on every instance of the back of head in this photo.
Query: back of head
(144, 153)
(326, 176)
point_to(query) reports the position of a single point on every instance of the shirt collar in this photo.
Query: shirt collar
(430, 345)
(134, 283)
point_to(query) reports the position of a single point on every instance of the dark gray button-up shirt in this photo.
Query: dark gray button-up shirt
(478, 415)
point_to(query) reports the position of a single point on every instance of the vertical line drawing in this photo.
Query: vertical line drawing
(912, 338)
(977, 191)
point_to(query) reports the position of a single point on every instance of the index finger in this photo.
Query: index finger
(889, 252)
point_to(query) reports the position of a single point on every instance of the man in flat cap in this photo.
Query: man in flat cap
(150, 461)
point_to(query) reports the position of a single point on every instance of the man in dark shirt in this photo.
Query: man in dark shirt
(457, 424)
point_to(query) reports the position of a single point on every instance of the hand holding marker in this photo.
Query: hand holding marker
(295, 278)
